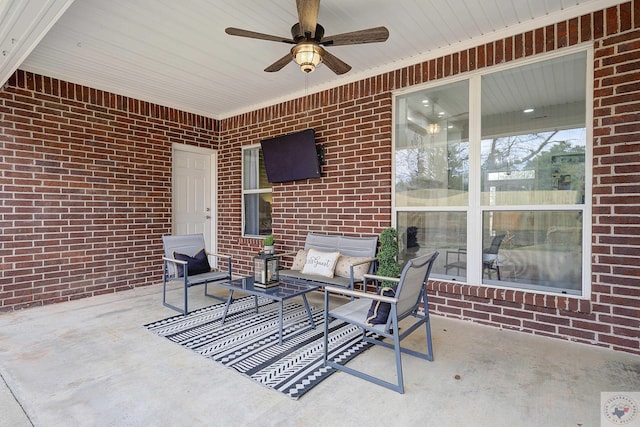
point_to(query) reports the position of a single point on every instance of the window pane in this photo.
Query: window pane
(257, 214)
(538, 249)
(255, 174)
(420, 233)
(256, 193)
(533, 134)
(529, 154)
(432, 147)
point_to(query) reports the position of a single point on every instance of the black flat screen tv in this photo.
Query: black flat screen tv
(291, 157)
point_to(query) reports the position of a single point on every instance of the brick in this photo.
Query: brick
(470, 314)
(506, 321)
(536, 326)
(620, 342)
(585, 335)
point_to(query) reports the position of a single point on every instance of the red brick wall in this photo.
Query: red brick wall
(86, 180)
(353, 198)
(354, 195)
(615, 317)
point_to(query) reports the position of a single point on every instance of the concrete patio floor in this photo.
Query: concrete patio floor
(92, 363)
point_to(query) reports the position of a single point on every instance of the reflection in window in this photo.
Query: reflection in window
(544, 168)
(420, 233)
(539, 250)
(533, 135)
(499, 190)
(432, 147)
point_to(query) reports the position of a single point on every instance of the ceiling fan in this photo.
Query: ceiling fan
(308, 39)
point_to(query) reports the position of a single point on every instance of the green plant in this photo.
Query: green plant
(388, 255)
(268, 240)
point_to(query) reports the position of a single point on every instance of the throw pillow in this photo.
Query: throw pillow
(379, 311)
(320, 263)
(300, 260)
(342, 267)
(199, 263)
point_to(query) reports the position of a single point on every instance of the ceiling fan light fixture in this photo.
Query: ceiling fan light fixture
(307, 56)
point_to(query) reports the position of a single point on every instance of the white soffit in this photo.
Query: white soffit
(176, 53)
(22, 25)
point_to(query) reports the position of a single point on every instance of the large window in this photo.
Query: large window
(256, 194)
(491, 171)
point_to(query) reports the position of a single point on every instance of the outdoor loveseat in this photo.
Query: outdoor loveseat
(332, 260)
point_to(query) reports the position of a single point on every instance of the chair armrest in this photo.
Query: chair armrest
(365, 261)
(287, 254)
(351, 275)
(227, 257)
(386, 278)
(218, 255)
(185, 263)
(459, 251)
(175, 261)
(166, 260)
(359, 294)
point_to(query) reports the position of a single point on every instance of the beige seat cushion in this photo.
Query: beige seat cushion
(344, 262)
(300, 260)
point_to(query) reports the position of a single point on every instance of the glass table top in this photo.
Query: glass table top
(285, 288)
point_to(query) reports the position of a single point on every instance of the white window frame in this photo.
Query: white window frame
(250, 191)
(474, 210)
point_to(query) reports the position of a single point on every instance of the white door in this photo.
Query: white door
(193, 210)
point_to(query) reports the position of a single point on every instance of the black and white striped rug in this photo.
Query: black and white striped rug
(248, 342)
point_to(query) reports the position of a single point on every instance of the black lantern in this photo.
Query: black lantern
(265, 270)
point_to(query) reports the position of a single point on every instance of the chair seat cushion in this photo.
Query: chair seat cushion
(208, 277)
(197, 264)
(320, 280)
(379, 311)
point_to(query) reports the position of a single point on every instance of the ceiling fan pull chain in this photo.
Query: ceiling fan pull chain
(306, 92)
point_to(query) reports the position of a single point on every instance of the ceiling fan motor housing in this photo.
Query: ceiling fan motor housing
(298, 35)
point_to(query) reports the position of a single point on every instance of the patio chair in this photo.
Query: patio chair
(490, 259)
(411, 293)
(186, 260)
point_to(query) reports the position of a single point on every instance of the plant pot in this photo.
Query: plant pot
(269, 249)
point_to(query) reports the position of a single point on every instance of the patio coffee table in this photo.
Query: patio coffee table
(285, 290)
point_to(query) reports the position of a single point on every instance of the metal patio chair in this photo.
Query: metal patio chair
(182, 253)
(411, 294)
(490, 258)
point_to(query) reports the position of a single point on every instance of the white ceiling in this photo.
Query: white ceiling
(176, 53)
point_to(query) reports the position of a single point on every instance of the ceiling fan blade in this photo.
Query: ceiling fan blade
(279, 64)
(335, 64)
(253, 35)
(371, 35)
(308, 16)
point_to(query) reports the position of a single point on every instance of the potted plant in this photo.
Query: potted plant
(268, 244)
(388, 256)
